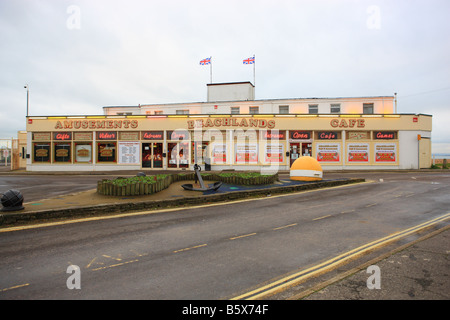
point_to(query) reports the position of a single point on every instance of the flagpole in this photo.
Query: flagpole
(254, 78)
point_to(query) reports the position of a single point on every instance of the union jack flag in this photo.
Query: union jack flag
(206, 61)
(249, 60)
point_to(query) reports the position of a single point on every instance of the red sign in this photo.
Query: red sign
(280, 135)
(415, 119)
(174, 135)
(300, 135)
(107, 135)
(62, 136)
(152, 135)
(328, 135)
(384, 135)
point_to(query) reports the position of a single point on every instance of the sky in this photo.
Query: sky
(77, 56)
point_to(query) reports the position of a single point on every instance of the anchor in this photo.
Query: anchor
(199, 178)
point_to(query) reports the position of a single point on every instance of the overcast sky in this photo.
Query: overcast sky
(78, 56)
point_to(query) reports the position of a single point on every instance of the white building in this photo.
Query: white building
(232, 130)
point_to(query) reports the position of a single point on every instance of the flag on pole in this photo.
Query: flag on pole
(205, 62)
(250, 60)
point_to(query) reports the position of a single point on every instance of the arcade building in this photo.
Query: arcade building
(232, 130)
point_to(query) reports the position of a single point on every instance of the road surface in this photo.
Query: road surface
(216, 251)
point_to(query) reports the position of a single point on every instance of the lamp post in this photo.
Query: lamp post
(28, 96)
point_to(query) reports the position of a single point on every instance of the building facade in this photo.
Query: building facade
(245, 134)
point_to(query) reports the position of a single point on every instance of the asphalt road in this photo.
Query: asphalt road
(37, 187)
(215, 252)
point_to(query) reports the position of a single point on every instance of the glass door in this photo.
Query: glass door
(178, 154)
(152, 155)
(294, 152)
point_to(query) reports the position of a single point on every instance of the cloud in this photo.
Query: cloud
(142, 52)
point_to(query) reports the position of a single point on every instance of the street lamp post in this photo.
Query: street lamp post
(28, 96)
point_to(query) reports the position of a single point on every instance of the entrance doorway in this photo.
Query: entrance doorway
(299, 149)
(152, 155)
(178, 154)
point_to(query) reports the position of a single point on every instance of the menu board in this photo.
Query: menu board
(219, 153)
(247, 153)
(358, 152)
(328, 152)
(274, 153)
(129, 152)
(385, 153)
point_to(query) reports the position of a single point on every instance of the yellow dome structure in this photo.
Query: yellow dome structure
(306, 169)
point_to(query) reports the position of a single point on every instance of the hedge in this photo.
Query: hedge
(145, 185)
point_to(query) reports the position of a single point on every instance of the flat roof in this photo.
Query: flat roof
(237, 101)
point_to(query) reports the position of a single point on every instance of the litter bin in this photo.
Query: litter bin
(207, 164)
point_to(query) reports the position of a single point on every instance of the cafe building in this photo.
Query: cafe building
(232, 130)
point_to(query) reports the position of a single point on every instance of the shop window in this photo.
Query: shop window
(83, 152)
(62, 152)
(182, 112)
(313, 109)
(106, 151)
(41, 152)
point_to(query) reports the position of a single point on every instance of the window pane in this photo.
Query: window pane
(367, 108)
(254, 110)
(335, 108)
(283, 109)
(313, 108)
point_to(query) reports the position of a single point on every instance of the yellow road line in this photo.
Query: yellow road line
(117, 259)
(329, 215)
(186, 249)
(287, 226)
(243, 236)
(298, 277)
(15, 287)
(115, 265)
(371, 205)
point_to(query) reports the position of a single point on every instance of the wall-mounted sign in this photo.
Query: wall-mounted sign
(384, 135)
(300, 135)
(348, 123)
(82, 136)
(62, 136)
(231, 122)
(152, 135)
(273, 134)
(178, 135)
(327, 135)
(41, 136)
(107, 135)
(96, 124)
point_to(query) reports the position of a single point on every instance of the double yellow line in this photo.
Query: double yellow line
(300, 276)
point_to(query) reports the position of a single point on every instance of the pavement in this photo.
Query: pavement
(416, 268)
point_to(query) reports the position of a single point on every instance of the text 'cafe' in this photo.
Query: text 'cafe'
(218, 142)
